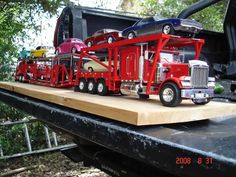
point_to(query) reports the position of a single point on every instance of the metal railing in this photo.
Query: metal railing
(51, 142)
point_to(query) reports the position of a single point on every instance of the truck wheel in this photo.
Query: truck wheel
(197, 102)
(102, 88)
(82, 87)
(170, 95)
(92, 86)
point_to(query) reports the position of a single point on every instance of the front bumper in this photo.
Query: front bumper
(186, 28)
(197, 93)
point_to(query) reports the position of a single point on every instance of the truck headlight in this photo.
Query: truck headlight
(186, 83)
(185, 78)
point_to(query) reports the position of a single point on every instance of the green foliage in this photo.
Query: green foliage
(8, 113)
(211, 17)
(10, 134)
(16, 17)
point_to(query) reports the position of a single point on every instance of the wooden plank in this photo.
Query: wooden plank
(123, 108)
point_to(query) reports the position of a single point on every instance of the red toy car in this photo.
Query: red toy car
(70, 45)
(103, 36)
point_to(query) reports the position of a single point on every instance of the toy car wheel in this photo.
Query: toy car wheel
(90, 69)
(89, 44)
(167, 29)
(170, 95)
(74, 50)
(102, 88)
(110, 40)
(82, 86)
(56, 52)
(200, 102)
(131, 35)
(92, 87)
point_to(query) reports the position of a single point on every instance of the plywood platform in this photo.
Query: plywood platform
(123, 108)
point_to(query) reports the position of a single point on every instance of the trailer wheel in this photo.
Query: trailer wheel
(92, 86)
(102, 88)
(82, 87)
(197, 102)
(170, 95)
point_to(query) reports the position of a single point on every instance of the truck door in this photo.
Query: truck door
(129, 63)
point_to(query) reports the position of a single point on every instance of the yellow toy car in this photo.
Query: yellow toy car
(42, 52)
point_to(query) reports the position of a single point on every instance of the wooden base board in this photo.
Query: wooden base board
(124, 108)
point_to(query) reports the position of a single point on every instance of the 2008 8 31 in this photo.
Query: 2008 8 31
(189, 160)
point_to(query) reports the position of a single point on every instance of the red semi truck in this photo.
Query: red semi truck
(148, 65)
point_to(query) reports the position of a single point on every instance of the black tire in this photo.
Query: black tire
(233, 87)
(82, 86)
(102, 88)
(131, 35)
(90, 69)
(201, 103)
(170, 95)
(143, 96)
(167, 29)
(92, 86)
(110, 40)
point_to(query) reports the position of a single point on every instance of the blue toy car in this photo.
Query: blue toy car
(155, 24)
(24, 54)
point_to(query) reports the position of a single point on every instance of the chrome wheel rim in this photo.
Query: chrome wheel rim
(109, 40)
(90, 69)
(90, 86)
(89, 44)
(166, 29)
(100, 87)
(168, 95)
(130, 35)
(74, 50)
(81, 85)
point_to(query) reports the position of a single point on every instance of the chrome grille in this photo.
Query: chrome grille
(199, 76)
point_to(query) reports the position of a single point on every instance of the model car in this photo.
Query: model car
(91, 65)
(42, 51)
(24, 54)
(156, 24)
(103, 36)
(70, 45)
